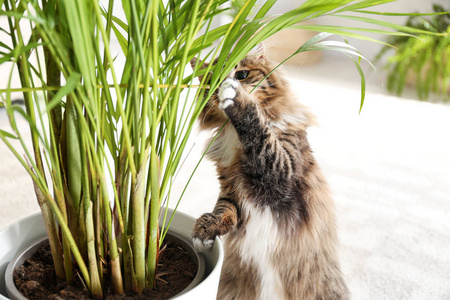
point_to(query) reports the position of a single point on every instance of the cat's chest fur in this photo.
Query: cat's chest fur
(258, 246)
(225, 147)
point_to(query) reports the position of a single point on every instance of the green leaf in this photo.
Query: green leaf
(401, 14)
(312, 41)
(343, 31)
(8, 135)
(265, 9)
(121, 23)
(3, 45)
(32, 124)
(19, 16)
(363, 4)
(389, 25)
(212, 35)
(17, 51)
(72, 82)
(363, 82)
(122, 41)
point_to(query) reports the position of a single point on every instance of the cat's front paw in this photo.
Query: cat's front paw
(205, 231)
(201, 246)
(227, 93)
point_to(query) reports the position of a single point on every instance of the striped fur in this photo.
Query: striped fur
(274, 210)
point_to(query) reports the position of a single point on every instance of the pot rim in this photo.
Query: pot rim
(19, 234)
(31, 248)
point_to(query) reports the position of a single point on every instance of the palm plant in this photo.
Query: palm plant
(107, 139)
(425, 56)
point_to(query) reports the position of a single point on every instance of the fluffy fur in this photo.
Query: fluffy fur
(274, 210)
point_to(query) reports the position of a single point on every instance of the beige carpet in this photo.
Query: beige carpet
(389, 170)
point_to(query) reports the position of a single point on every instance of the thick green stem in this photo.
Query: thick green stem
(96, 285)
(98, 231)
(155, 164)
(52, 233)
(89, 230)
(53, 79)
(139, 231)
(74, 170)
(116, 274)
(65, 243)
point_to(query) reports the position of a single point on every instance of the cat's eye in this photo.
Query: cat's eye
(241, 75)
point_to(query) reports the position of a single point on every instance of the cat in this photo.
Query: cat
(274, 211)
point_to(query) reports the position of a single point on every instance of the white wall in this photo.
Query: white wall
(369, 49)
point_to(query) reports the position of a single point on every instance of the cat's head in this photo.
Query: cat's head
(271, 92)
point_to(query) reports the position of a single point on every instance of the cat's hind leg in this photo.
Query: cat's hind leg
(239, 280)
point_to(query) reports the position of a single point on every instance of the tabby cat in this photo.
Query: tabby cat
(274, 211)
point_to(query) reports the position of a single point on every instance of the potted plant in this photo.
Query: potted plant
(423, 61)
(108, 138)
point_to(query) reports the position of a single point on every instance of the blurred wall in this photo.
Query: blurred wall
(368, 49)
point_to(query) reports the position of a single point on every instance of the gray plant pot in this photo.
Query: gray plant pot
(25, 233)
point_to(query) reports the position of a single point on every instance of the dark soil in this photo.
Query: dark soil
(36, 278)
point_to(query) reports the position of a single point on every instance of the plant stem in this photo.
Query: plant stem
(96, 285)
(154, 160)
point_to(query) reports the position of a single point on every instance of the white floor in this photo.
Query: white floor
(388, 168)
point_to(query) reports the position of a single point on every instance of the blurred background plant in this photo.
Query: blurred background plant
(423, 60)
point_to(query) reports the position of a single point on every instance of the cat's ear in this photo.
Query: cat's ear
(201, 63)
(193, 62)
(258, 51)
